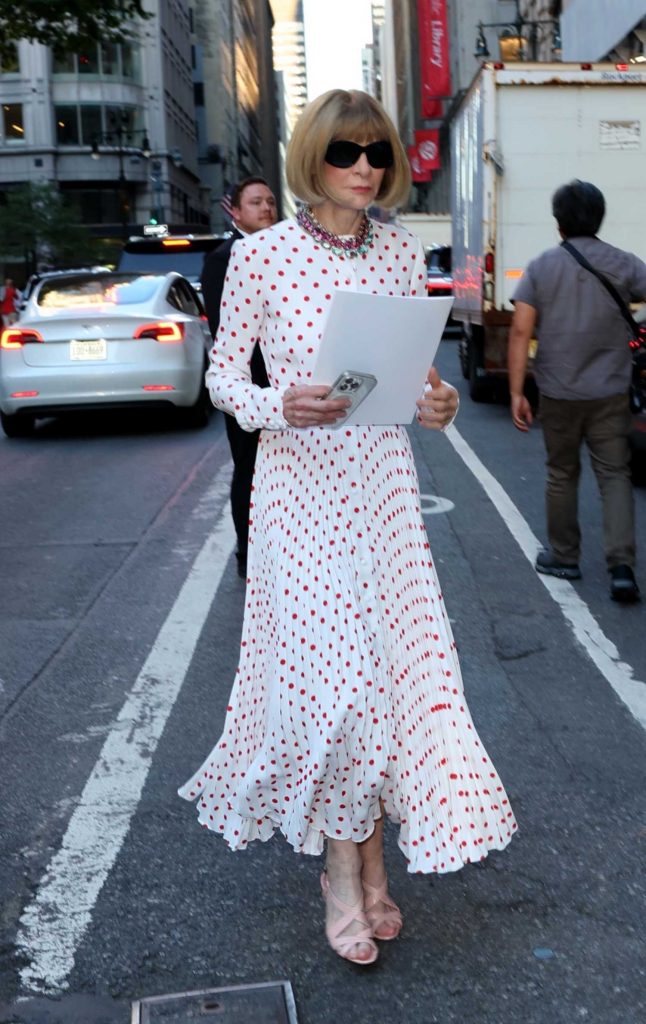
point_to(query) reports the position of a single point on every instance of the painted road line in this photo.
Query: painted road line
(585, 627)
(54, 923)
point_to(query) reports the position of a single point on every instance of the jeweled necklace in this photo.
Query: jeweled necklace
(355, 245)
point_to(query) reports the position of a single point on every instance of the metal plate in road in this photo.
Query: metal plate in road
(268, 1003)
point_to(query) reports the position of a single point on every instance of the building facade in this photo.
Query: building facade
(113, 127)
(236, 100)
(291, 71)
(155, 128)
(595, 30)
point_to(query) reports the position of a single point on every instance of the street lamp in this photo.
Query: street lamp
(120, 140)
(512, 40)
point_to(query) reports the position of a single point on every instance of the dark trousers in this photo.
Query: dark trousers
(243, 451)
(603, 423)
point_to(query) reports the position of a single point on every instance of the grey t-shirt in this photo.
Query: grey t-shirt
(582, 337)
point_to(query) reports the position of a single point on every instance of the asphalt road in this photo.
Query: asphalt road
(103, 556)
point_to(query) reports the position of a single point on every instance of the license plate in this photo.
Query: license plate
(95, 348)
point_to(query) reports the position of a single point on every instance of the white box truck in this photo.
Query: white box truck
(520, 131)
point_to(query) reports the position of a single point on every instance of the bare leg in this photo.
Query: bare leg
(373, 872)
(344, 875)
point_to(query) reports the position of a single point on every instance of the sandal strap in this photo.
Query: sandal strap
(379, 894)
(349, 915)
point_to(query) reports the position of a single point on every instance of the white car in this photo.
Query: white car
(105, 340)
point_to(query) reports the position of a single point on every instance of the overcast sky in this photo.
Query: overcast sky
(335, 31)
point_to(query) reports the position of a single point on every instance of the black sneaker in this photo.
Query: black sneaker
(548, 564)
(623, 586)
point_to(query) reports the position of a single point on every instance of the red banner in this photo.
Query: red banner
(427, 143)
(418, 172)
(435, 72)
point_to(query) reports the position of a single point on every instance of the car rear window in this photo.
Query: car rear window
(97, 290)
(161, 255)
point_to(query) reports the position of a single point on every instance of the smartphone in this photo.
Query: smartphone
(353, 385)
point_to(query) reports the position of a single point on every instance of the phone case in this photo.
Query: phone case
(354, 385)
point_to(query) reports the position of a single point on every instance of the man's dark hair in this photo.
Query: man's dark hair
(579, 208)
(236, 195)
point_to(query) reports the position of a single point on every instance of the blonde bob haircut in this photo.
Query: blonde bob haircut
(351, 115)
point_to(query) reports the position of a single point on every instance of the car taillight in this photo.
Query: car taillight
(488, 263)
(162, 330)
(16, 337)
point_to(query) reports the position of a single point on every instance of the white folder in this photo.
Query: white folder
(394, 338)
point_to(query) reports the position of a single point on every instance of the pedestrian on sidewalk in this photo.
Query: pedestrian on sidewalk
(583, 369)
(253, 208)
(348, 702)
(9, 299)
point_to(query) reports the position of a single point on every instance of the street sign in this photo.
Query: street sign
(155, 230)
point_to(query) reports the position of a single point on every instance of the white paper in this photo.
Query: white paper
(393, 337)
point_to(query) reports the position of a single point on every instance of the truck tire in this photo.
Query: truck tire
(17, 425)
(479, 387)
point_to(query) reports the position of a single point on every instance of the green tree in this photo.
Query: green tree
(68, 26)
(38, 225)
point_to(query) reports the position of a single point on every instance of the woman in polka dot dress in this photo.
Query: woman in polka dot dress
(348, 703)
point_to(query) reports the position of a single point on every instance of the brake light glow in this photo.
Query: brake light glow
(488, 263)
(25, 394)
(172, 243)
(622, 67)
(16, 337)
(158, 387)
(161, 330)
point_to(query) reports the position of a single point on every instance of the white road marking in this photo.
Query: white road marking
(54, 923)
(432, 505)
(585, 627)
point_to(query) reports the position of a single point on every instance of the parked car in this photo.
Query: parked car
(105, 340)
(439, 280)
(162, 253)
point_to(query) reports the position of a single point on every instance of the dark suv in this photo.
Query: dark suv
(158, 255)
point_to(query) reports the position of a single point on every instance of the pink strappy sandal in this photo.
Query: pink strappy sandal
(342, 944)
(373, 895)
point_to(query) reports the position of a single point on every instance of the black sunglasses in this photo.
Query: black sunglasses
(343, 153)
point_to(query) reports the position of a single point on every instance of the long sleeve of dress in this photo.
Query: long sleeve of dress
(242, 317)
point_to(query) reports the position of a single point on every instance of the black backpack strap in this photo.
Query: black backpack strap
(625, 312)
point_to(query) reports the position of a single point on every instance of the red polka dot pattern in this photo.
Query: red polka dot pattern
(348, 688)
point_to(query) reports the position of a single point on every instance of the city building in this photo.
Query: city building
(595, 30)
(290, 65)
(153, 129)
(113, 126)
(236, 101)
(429, 52)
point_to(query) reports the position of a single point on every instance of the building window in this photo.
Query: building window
(88, 61)
(83, 124)
(90, 123)
(10, 64)
(107, 60)
(14, 130)
(67, 125)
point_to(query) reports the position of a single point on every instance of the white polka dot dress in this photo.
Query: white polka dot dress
(348, 688)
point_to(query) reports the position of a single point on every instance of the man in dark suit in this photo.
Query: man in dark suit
(253, 207)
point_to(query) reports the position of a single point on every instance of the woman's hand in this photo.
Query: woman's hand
(305, 405)
(439, 404)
